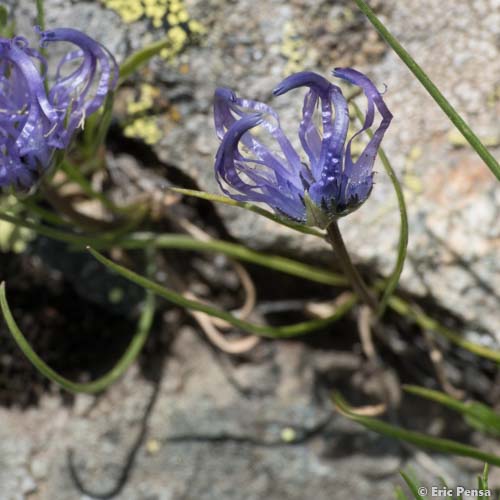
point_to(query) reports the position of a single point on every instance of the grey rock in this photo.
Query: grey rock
(206, 439)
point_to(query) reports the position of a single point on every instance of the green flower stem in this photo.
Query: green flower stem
(40, 14)
(262, 330)
(40, 21)
(129, 356)
(352, 274)
(436, 94)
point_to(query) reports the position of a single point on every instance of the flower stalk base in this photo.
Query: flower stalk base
(352, 274)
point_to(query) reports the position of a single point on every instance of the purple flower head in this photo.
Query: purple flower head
(331, 184)
(34, 123)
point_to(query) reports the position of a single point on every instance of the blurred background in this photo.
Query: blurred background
(190, 420)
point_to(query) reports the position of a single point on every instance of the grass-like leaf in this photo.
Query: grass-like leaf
(47, 215)
(428, 323)
(97, 126)
(183, 242)
(262, 330)
(477, 414)
(79, 240)
(128, 357)
(142, 56)
(142, 240)
(435, 93)
(236, 251)
(416, 438)
(252, 208)
(400, 494)
(482, 480)
(4, 16)
(413, 487)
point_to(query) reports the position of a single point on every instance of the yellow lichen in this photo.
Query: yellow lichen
(147, 94)
(171, 14)
(129, 10)
(145, 128)
(172, 19)
(183, 16)
(196, 27)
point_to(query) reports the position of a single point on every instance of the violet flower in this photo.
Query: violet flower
(34, 123)
(332, 184)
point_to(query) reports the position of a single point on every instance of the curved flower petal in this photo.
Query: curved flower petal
(83, 91)
(286, 164)
(238, 173)
(323, 147)
(26, 116)
(357, 179)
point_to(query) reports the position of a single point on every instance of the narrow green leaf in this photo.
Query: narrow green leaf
(416, 438)
(78, 240)
(443, 483)
(251, 207)
(4, 16)
(482, 480)
(46, 215)
(142, 56)
(436, 94)
(400, 494)
(129, 356)
(413, 487)
(180, 241)
(264, 331)
(477, 414)
(7, 27)
(97, 126)
(393, 280)
(428, 323)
